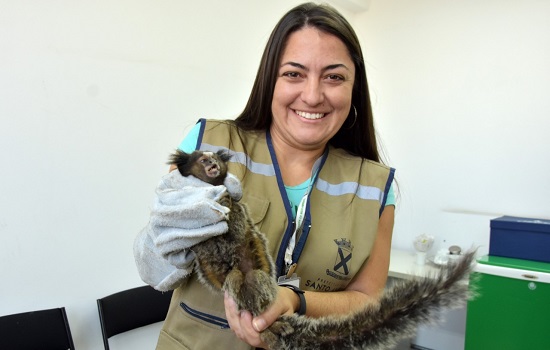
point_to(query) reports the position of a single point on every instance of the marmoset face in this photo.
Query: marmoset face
(207, 166)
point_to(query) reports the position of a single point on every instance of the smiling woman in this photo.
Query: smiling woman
(305, 151)
(313, 91)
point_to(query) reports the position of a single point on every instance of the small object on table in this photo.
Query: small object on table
(422, 244)
(454, 252)
(441, 258)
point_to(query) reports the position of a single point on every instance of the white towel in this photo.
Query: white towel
(185, 212)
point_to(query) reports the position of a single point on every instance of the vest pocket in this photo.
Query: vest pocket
(215, 321)
(257, 207)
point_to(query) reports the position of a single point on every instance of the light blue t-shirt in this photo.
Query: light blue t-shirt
(294, 193)
(189, 143)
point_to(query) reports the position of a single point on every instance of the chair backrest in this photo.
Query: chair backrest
(131, 309)
(42, 329)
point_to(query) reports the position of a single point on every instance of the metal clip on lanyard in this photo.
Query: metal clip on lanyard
(300, 216)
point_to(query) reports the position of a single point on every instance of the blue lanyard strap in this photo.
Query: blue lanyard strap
(301, 237)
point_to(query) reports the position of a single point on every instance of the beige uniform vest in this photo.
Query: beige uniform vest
(341, 224)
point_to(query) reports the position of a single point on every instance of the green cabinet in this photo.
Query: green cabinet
(512, 309)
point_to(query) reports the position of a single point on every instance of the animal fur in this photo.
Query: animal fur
(238, 262)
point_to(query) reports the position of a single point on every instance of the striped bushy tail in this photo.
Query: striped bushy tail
(401, 309)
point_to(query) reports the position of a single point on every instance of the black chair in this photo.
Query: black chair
(131, 309)
(42, 329)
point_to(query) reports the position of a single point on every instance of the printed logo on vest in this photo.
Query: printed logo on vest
(343, 257)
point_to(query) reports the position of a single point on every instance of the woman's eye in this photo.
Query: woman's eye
(291, 74)
(335, 77)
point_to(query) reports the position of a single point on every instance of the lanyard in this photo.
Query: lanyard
(290, 265)
(299, 240)
(300, 215)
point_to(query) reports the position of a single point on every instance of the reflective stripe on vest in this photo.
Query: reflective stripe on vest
(363, 192)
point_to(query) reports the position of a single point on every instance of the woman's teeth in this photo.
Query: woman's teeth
(310, 115)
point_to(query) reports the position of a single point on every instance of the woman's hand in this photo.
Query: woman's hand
(248, 328)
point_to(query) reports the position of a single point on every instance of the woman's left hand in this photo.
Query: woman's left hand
(248, 328)
(241, 324)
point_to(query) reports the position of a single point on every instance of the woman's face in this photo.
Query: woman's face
(312, 96)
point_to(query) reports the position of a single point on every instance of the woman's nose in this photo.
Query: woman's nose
(313, 94)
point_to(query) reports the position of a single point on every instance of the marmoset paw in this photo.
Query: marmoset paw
(272, 335)
(281, 328)
(270, 339)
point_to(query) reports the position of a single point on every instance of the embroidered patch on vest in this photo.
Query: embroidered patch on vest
(343, 258)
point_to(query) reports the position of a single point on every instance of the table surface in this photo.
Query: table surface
(403, 265)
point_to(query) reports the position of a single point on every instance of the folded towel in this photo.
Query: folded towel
(185, 212)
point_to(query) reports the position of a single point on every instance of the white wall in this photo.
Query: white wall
(95, 94)
(93, 97)
(460, 96)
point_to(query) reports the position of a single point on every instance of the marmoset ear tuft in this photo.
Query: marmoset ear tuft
(179, 158)
(224, 155)
(183, 161)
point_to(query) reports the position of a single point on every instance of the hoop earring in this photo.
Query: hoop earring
(354, 120)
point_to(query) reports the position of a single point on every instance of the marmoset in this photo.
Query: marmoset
(238, 262)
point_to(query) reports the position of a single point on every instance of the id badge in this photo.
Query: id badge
(293, 280)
